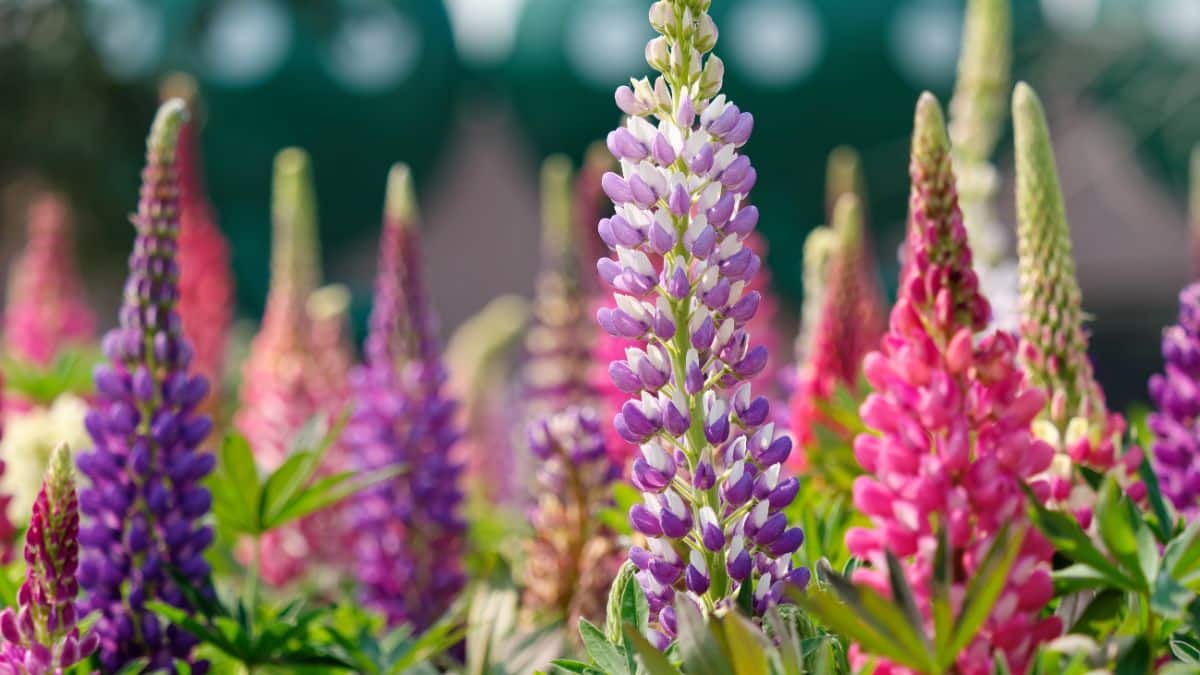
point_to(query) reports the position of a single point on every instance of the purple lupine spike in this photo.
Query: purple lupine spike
(42, 636)
(411, 531)
(685, 305)
(1176, 395)
(573, 556)
(143, 514)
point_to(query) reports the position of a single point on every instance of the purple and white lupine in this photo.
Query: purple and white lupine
(411, 531)
(145, 503)
(42, 635)
(710, 469)
(1176, 396)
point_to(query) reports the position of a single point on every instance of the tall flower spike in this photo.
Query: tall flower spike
(1054, 344)
(146, 501)
(42, 636)
(277, 377)
(572, 556)
(850, 323)
(206, 299)
(46, 311)
(1176, 396)
(843, 176)
(411, 532)
(709, 468)
(951, 446)
(976, 115)
(558, 345)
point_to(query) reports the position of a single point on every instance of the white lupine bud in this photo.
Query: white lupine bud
(658, 356)
(713, 110)
(741, 397)
(729, 246)
(723, 334)
(662, 93)
(661, 549)
(661, 16)
(706, 34)
(712, 76)
(631, 306)
(643, 92)
(658, 54)
(696, 559)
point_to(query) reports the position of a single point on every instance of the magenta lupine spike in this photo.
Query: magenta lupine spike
(47, 311)
(572, 556)
(1054, 342)
(951, 444)
(411, 532)
(42, 637)
(848, 325)
(206, 299)
(558, 344)
(710, 461)
(277, 378)
(1176, 396)
(146, 503)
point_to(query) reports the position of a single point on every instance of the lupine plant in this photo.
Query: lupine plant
(1176, 396)
(710, 469)
(145, 505)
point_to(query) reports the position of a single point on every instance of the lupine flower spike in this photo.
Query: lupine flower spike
(42, 636)
(47, 311)
(848, 326)
(1054, 343)
(1176, 396)
(709, 468)
(843, 176)
(277, 377)
(145, 503)
(411, 544)
(558, 345)
(572, 556)
(205, 278)
(951, 443)
(976, 115)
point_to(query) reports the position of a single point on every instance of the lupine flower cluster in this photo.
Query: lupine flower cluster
(951, 414)
(409, 554)
(572, 556)
(848, 325)
(1054, 344)
(42, 636)
(710, 469)
(1176, 396)
(47, 311)
(145, 502)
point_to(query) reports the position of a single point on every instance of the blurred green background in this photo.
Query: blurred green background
(474, 93)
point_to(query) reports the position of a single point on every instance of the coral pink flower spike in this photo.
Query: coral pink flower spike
(951, 415)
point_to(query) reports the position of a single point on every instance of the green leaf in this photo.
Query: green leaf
(284, 483)
(330, 490)
(1118, 531)
(654, 661)
(984, 588)
(1185, 651)
(1162, 524)
(1136, 660)
(699, 645)
(1102, 615)
(891, 620)
(747, 646)
(940, 601)
(1077, 577)
(1169, 598)
(1181, 556)
(1070, 540)
(849, 622)
(603, 653)
(902, 594)
(235, 487)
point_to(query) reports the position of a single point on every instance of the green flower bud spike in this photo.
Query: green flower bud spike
(1054, 343)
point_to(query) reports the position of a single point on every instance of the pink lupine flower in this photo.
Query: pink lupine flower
(951, 444)
(47, 311)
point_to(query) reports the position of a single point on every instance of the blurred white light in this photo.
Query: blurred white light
(924, 39)
(1072, 16)
(374, 50)
(484, 30)
(606, 40)
(1176, 25)
(246, 41)
(128, 35)
(774, 43)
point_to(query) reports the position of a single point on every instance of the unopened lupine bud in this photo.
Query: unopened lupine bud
(411, 532)
(693, 302)
(42, 635)
(143, 517)
(922, 471)
(1054, 344)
